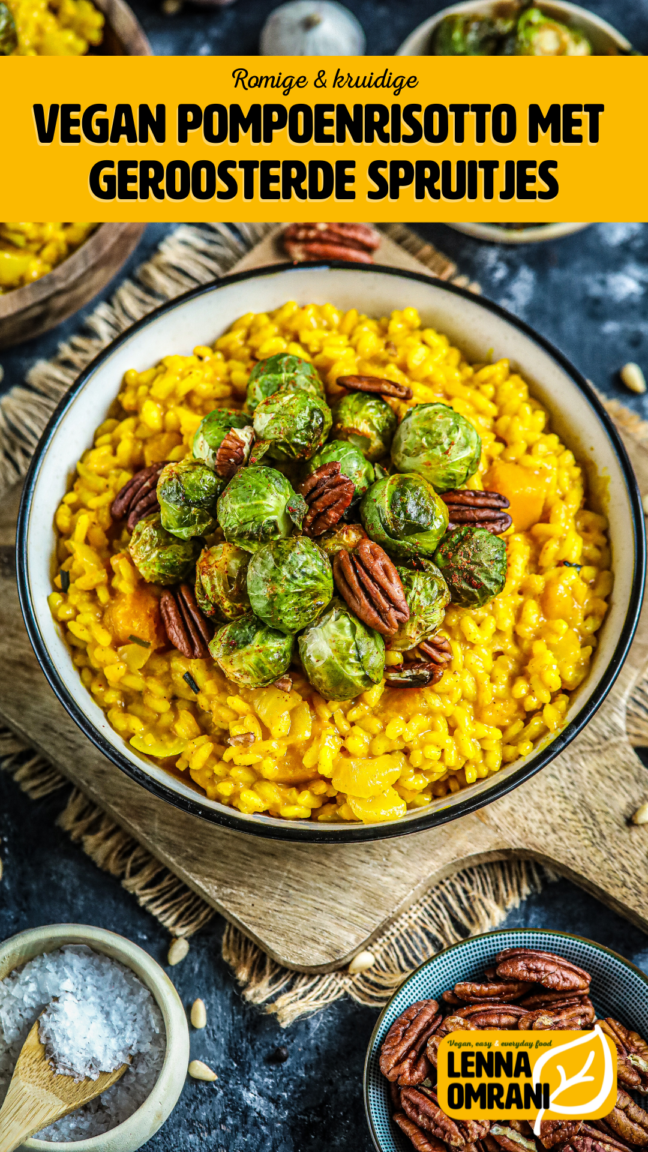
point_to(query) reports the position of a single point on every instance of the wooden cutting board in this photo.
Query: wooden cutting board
(311, 907)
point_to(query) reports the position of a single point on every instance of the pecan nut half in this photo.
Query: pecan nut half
(632, 1055)
(421, 1105)
(328, 493)
(437, 649)
(576, 1014)
(554, 1132)
(138, 498)
(500, 1016)
(482, 509)
(349, 235)
(184, 623)
(422, 1141)
(545, 968)
(593, 1138)
(472, 992)
(369, 583)
(551, 999)
(416, 674)
(402, 1056)
(628, 1120)
(231, 454)
(375, 384)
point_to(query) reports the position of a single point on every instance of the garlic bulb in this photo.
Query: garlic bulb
(312, 28)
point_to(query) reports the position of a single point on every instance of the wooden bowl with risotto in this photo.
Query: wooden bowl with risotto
(388, 762)
(35, 308)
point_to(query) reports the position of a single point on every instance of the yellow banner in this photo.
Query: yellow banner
(527, 1075)
(302, 138)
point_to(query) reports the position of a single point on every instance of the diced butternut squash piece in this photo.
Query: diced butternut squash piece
(159, 448)
(136, 614)
(387, 806)
(524, 489)
(368, 777)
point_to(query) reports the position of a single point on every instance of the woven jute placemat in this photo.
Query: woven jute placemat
(472, 901)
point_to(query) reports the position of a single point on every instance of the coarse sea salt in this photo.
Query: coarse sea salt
(98, 1015)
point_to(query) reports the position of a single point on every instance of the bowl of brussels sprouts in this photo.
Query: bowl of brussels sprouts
(515, 28)
(268, 532)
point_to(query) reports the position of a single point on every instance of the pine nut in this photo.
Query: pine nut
(641, 815)
(633, 377)
(361, 963)
(200, 1071)
(178, 950)
(198, 1014)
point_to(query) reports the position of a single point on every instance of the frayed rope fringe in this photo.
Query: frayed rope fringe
(473, 901)
(188, 257)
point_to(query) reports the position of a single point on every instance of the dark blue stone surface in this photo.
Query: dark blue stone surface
(587, 293)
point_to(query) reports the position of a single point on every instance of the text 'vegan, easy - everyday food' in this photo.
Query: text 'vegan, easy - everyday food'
(390, 694)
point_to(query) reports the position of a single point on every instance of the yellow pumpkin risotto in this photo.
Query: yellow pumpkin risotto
(29, 251)
(514, 661)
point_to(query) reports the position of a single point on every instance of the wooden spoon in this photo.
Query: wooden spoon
(38, 1096)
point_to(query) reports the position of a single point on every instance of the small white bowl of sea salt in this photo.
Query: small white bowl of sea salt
(102, 1001)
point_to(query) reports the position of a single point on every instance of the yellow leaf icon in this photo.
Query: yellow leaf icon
(582, 1072)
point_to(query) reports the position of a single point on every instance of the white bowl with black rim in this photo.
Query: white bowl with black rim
(619, 989)
(481, 330)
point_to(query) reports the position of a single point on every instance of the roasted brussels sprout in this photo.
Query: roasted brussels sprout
(540, 35)
(346, 536)
(291, 425)
(221, 582)
(281, 371)
(473, 563)
(214, 428)
(427, 595)
(366, 421)
(8, 31)
(187, 492)
(257, 506)
(250, 653)
(436, 441)
(341, 657)
(158, 556)
(473, 35)
(404, 514)
(352, 464)
(289, 583)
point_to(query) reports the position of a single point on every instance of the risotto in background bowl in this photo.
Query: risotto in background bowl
(528, 668)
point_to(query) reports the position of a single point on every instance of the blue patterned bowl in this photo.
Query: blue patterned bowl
(618, 989)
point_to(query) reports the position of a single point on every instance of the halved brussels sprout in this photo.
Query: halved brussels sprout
(281, 371)
(214, 428)
(473, 563)
(436, 441)
(221, 582)
(250, 653)
(158, 556)
(473, 35)
(427, 595)
(188, 491)
(346, 536)
(257, 506)
(366, 421)
(404, 514)
(341, 657)
(289, 583)
(352, 464)
(291, 425)
(539, 35)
